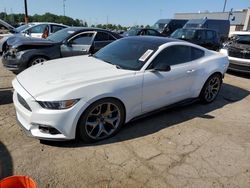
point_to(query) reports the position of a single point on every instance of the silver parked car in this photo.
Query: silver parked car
(34, 29)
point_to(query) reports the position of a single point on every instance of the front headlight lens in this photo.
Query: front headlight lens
(58, 105)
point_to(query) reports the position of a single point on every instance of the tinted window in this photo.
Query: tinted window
(201, 35)
(62, 34)
(184, 34)
(55, 28)
(196, 53)
(173, 55)
(83, 39)
(38, 29)
(210, 35)
(127, 54)
(101, 36)
(152, 32)
(23, 27)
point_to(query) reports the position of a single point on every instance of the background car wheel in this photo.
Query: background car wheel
(101, 120)
(211, 89)
(37, 60)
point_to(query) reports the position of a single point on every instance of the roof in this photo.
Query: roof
(239, 33)
(237, 17)
(158, 41)
(80, 29)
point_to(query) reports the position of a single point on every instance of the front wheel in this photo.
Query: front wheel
(101, 120)
(211, 89)
(37, 60)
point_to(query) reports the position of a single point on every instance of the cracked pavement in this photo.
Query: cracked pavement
(189, 146)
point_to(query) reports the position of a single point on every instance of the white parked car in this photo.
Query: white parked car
(93, 96)
(33, 29)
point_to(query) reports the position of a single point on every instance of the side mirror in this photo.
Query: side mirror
(68, 43)
(27, 32)
(162, 68)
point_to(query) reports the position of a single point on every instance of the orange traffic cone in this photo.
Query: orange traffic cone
(17, 182)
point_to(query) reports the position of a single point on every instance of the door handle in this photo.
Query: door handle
(190, 71)
(84, 50)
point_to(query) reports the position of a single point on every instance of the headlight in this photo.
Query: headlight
(13, 51)
(224, 51)
(58, 105)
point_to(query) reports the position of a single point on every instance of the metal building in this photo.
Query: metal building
(239, 20)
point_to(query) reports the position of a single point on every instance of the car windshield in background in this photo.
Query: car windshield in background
(243, 39)
(21, 28)
(127, 54)
(183, 34)
(132, 32)
(61, 35)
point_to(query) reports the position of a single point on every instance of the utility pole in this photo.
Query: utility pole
(26, 18)
(64, 7)
(225, 4)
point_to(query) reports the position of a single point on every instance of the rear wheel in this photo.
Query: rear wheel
(211, 88)
(37, 60)
(101, 120)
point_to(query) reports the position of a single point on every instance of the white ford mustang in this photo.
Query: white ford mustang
(93, 96)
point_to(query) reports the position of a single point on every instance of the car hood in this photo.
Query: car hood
(6, 24)
(18, 40)
(62, 76)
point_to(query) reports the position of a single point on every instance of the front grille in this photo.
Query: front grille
(23, 102)
(233, 65)
(239, 53)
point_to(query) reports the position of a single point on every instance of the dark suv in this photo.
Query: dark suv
(203, 37)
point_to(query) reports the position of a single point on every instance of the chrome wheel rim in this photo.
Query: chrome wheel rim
(212, 89)
(102, 121)
(37, 61)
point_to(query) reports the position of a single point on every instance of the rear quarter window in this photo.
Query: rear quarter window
(196, 53)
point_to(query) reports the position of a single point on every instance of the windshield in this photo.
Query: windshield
(132, 32)
(22, 27)
(127, 53)
(61, 35)
(243, 39)
(183, 34)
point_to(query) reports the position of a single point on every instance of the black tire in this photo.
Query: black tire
(36, 60)
(4, 47)
(89, 133)
(211, 88)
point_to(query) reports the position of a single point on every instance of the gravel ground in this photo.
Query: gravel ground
(190, 146)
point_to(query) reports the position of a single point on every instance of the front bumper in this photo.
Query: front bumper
(64, 121)
(13, 63)
(239, 64)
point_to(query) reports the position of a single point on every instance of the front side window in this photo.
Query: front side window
(177, 54)
(172, 55)
(38, 28)
(210, 35)
(152, 32)
(201, 35)
(82, 39)
(184, 34)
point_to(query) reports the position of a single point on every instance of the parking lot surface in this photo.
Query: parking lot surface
(189, 146)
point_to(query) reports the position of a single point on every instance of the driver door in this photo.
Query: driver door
(79, 44)
(162, 88)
